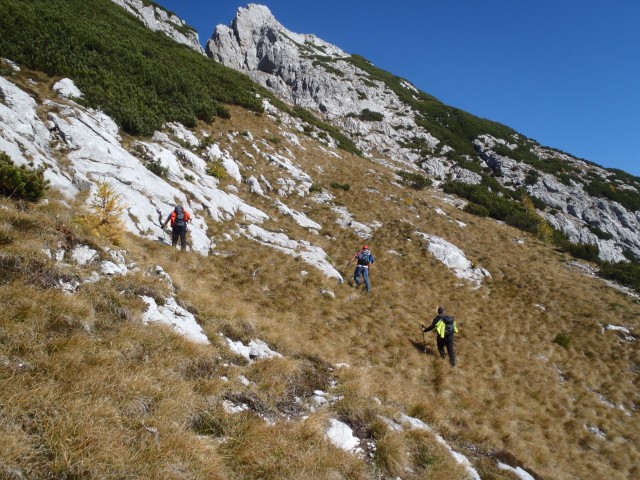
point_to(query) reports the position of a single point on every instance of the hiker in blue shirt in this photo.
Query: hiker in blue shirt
(364, 259)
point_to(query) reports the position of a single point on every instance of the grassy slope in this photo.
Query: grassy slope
(85, 386)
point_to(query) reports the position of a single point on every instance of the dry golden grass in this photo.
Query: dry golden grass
(88, 391)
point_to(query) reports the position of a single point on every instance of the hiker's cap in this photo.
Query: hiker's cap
(364, 247)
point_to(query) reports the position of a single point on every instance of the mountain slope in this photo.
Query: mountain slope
(139, 361)
(394, 122)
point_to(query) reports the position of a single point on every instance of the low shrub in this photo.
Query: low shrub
(414, 180)
(531, 178)
(600, 233)
(341, 186)
(563, 339)
(475, 209)
(21, 182)
(157, 168)
(584, 251)
(626, 273)
(370, 116)
(216, 169)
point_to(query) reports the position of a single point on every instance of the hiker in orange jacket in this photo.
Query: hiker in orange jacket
(179, 218)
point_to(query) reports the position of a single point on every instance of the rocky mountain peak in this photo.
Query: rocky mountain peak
(257, 41)
(158, 19)
(307, 71)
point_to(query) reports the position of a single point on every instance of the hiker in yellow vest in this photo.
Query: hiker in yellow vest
(446, 328)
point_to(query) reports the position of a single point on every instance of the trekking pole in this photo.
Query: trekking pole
(164, 240)
(424, 343)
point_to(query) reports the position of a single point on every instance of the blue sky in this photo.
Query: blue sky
(564, 72)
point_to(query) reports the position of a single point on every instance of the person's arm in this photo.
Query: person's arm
(432, 326)
(354, 257)
(165, 222)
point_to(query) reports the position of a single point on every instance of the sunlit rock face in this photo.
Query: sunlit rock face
(158, 19)
(307, 71)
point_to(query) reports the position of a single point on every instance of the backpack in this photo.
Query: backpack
(449, 325)
(179, 217)
(446, 326)
(364, 258)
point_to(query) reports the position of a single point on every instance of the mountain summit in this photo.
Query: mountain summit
(307, 71)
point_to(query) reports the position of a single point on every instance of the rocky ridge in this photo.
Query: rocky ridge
(307, 71)
(158, 19)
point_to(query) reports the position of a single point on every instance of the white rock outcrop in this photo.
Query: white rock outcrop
(573, 210)
(157, 18)
(173, 315)
(454, 259)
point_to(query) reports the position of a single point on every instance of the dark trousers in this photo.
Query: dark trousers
(181, 233)
(447, 341)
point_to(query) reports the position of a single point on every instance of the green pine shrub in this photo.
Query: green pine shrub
(563, 339)
(531, 178)
(21, 182)
(341, 186)
(157, 168)
(370, 116)
(626, 273)
(477, 210)
(496, 204)
(414, 180)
